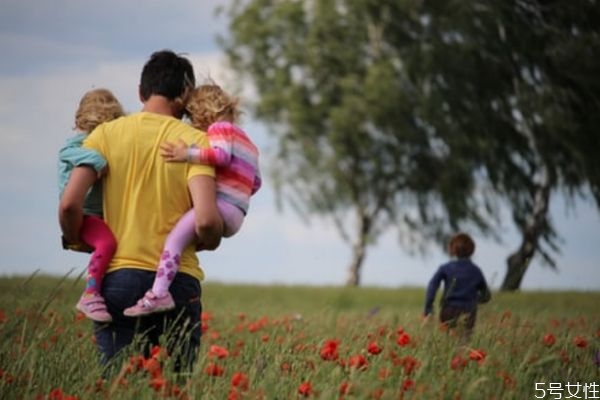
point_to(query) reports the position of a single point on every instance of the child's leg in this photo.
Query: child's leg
(232, 217)
(181, 235)
(98, 235)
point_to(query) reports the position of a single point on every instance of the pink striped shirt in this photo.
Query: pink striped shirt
(236, 160)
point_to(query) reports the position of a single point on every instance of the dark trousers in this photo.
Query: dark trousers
(180, 327)
(455, 317)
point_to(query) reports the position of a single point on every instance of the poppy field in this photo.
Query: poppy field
(278, 342)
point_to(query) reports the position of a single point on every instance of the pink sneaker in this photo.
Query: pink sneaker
(94, 307)
(149, 304)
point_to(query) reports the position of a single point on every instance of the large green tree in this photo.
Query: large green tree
(419, 115)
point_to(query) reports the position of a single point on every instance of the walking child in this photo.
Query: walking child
(464, 285)
(235, 158)
(95, 107)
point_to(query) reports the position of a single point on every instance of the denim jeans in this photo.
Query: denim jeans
(178, 329)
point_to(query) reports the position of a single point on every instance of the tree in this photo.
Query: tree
(420, 115)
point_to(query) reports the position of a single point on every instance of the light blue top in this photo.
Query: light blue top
(73, 155)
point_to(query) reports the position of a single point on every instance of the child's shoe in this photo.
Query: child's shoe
(94, 307)
(150, 304)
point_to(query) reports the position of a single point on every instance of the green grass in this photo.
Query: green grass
(273, 336)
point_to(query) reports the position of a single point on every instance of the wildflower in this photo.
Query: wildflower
(214, 369)
(358, 361)
(458, 363)
(217, 351)
(152, 366)
(384, 373)
(477, 355)
(345, 388)
(403, 339)
(158, 383)
(580, 342)
(305, 389)
(407, 384)
(409, 363)
(373, 348)
(240, 380)
(508, 380)
(549, 339)
(329, 351)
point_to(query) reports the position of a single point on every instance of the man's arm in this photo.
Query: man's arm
(70, 210)
(209, 225)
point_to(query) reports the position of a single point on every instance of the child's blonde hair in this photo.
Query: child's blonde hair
(208, 103)
(95, 107)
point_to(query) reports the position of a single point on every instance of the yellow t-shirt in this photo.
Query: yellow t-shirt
(144, 196)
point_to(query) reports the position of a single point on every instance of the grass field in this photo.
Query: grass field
(272, 342)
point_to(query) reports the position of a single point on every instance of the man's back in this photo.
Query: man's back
(143, 195)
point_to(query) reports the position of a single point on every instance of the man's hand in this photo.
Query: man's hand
(174, 152)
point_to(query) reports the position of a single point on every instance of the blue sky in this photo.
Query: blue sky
(52, 52)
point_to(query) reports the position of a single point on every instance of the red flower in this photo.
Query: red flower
(158, 383)
(305, 389)
(409, 363)
(549, 339)
(407, 384)
(329, 351)
(458, 363)
(152, 366)
(345, 388)
(373, 348)
(214, 369)
(358, 361)
(580, 341)
(477, 355)
(217, 351)
(403, 339)
(240, 380)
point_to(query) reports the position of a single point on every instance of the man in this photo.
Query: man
(144, 197)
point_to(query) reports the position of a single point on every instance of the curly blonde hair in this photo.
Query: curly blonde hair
(95, 107)
(208, 104)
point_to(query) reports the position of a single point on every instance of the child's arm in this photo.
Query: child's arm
(484, 295)
(432, 289)
(257, 182)
(218, 155)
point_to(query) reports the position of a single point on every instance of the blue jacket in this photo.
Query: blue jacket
(73, 155)
(464, 286)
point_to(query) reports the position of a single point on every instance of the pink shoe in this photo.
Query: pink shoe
(149, 304)
(94, 307)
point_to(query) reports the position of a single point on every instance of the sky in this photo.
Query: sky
(53, 52)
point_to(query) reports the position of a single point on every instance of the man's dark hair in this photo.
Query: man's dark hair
(166, 74)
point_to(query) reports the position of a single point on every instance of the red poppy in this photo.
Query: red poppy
(407, 384)
(358, 361)
(152, 366)
(345, 388)
(217, 351)
(214, 369)
(373, 348)
(240, 380)
(158, 383)
(329, 351)
(458, 363)
(549, 339)
(477, 355)
(403, 339)
(410, 364)
(305, 389)
(580, 341)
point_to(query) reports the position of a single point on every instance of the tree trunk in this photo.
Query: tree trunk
(518, 262)
(359, 250)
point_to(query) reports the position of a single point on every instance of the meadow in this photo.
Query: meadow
(279, 342)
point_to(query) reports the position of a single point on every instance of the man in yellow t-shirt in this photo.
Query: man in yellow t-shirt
(144, 197)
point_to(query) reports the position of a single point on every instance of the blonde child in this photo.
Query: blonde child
(237, 178)
(95, 107)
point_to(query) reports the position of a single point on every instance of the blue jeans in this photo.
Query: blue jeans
(180, 327)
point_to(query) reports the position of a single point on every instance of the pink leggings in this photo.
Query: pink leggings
(182, 234)
(96, 234)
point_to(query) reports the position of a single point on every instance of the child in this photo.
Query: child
(237, 177)
(464, 285)
(95, 107)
